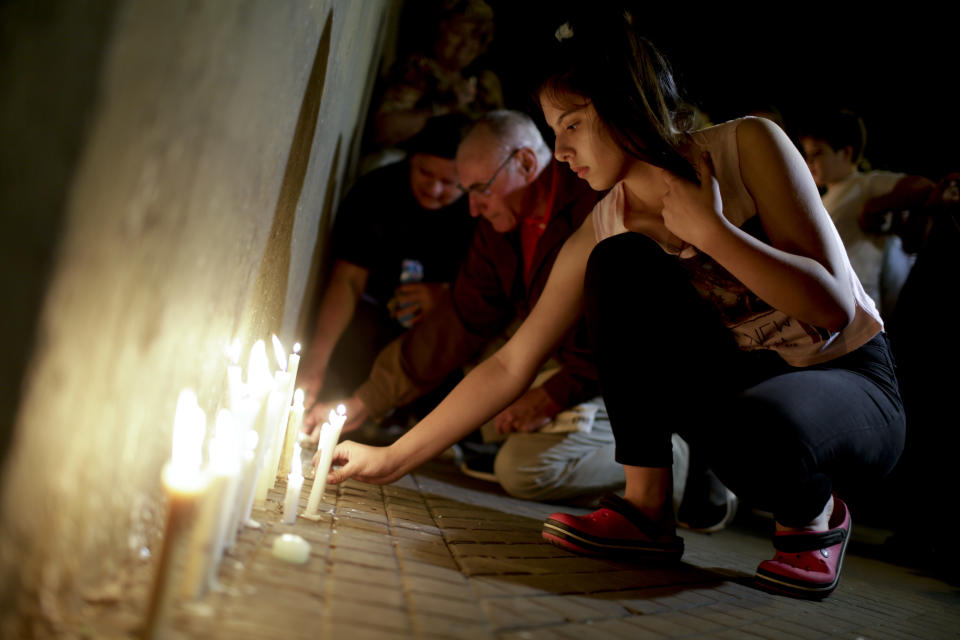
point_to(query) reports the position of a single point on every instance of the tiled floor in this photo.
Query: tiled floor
(438, 555)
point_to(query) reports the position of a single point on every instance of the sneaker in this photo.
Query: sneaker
(708, 517)
(707, 506)
(807, 563)
(616, 530)
(476, 460)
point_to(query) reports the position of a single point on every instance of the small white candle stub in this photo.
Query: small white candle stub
(291, 548)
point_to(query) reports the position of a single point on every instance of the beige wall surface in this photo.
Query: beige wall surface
(187, 192)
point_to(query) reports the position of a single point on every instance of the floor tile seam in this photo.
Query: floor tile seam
(446, 542)
(409, 608)
(416, 591)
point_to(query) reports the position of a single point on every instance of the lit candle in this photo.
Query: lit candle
(226, 457)
(269, 459)
(259, 378)
(253, 420)
(284, 386)
(294, 425)
(293, 367)
(184, 484)
(284, 440)
(291, 500)
(329, 434)
(243, 501)
(234, 375)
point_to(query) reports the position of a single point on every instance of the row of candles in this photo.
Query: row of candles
(254, 443)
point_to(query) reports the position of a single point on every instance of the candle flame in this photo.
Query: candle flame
(280, 354)
(189, 427)
(233, 351)
(298, 397)
(258, 369)
(296, 347)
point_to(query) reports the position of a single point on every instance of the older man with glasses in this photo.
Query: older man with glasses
(556, 442)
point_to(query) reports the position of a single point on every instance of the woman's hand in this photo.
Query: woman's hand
(362, 462)
(690, 212)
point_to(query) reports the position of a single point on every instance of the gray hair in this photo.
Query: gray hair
(514, 130)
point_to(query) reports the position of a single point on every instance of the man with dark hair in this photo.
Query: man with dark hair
(398, 240)
(861, 203)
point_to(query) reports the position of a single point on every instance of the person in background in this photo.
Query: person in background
(862, 204)
(443, 80)
(398, 240)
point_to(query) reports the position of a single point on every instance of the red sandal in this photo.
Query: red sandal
(807, 564)
(617, 530)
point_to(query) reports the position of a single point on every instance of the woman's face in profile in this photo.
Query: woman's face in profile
(583, 141)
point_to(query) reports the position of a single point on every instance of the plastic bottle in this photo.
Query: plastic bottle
(410, 271)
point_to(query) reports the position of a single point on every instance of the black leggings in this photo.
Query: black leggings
(778, 436)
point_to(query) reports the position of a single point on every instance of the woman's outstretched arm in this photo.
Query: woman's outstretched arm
(804, 272)
(492, 385)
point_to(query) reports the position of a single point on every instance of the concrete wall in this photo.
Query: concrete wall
(168, 169)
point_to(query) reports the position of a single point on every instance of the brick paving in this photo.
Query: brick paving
(438, 555)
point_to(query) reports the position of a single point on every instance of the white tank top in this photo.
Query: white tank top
(755, 323)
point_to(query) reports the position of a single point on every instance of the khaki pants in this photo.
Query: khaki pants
(553, 467)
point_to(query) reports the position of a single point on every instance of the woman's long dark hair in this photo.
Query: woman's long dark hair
(599, 55)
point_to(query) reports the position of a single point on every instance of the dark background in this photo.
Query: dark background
(896, 69)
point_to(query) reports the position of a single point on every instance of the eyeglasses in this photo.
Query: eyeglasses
(484, 189)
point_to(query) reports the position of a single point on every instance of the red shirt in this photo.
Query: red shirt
(531, 228)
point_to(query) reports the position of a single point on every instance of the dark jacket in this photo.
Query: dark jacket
(489, 294)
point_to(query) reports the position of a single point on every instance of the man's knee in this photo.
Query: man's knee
(523, 472)
(538, 466)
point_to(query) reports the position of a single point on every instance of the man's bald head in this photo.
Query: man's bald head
(499, 158)
(509, 130)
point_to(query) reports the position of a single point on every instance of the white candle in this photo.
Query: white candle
(284, 383)
(234, 375)
(226, 459)
(243, 501)
(185, 484)
(253, 420)
(214, 510)
(329, 434)
(259, 378)
(269, 456)
(293, 366)
(291, 548)
(291, 501)
(294, 425)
